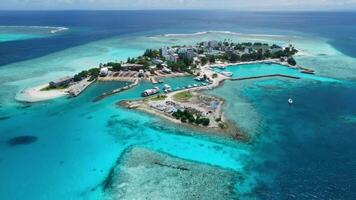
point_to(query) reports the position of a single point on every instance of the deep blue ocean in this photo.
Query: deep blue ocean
(86, 26)
(305, 151)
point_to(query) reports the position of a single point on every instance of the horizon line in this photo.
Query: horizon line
(178, 9)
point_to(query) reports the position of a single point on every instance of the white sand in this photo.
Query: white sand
(35, 94)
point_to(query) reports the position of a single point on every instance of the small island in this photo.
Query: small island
(184, 105)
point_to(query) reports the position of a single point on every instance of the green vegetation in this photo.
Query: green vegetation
(49, 88)
(291, 61)
(93, 73)
(182, 96)
(204, 61)
(115, 66)
(152, 53)
(186, 116)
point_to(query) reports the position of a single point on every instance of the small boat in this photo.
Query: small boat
(307, 71)
(167, 88)
(290, 101)
(150, 92)
(199, 78)
(160, 81)
(195, 85)
(229, 74)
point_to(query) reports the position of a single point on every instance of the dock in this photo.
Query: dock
(80, 86)
(118, 90)
(265, 76)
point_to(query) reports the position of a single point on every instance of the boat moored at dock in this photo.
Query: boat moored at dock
(150, 92)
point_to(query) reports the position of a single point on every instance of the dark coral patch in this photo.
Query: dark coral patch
(22, 140)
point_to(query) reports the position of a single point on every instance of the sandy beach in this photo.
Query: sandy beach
(35, 94)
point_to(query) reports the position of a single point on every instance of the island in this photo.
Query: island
(186, 105)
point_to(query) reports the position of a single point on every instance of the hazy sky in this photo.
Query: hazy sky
(180, 4)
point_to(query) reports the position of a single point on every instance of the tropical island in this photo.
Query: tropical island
(186, 105)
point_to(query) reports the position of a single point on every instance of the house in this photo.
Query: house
(104, 71)
(62, 82)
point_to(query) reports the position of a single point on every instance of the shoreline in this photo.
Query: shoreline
(35, 95)
(229, 130)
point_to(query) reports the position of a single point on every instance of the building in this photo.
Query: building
(172, 57)
(189, 54)
(157, 61)
(62, 82)
(166, 70)
(104, 71)
(131, 66)
(164, 51)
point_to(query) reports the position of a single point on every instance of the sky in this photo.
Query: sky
(178, 4)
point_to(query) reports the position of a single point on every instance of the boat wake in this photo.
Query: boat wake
(50, 29)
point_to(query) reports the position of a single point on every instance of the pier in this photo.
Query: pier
(265, 76)
(79, 87)
(106, 94)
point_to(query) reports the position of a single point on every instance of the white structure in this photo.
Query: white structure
(104, 71)
(164, 51)
(172, 57)
(150, 92)
(157, 61)
(189, 53)
(167, 88)
(166, 70)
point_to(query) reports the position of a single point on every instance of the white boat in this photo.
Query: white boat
(167, 88)
(199, 78)
(150, 92)
(229, 74)
(290, 101)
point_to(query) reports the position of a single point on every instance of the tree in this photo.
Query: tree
(151, 53)
(204, 61)
(291, 61)
(234, 57)
(115, 66)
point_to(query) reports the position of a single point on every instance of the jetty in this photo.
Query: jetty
(118, 90)
(80, 86)
(265, 76)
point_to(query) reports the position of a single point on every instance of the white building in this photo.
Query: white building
(104, 71)
(166, 70)
(164, 51)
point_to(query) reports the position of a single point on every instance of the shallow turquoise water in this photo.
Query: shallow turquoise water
(251, 70)
(12, 37)
(85, 138)
(79, 140)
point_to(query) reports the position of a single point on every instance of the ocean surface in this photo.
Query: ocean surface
(303, 151)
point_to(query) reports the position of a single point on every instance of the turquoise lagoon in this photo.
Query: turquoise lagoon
(80, 140)
(263, 69)
(13, 33)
